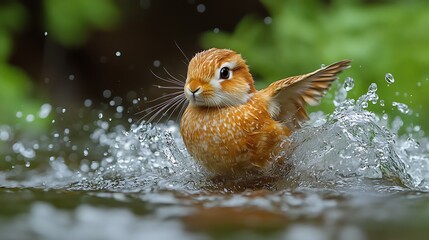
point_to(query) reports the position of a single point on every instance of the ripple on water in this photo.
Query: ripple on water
(47, 222)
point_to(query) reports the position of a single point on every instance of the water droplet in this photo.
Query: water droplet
(45, 33)
(118, 53)
(4, 134)
(374, 98)
(389, 78)
(84, 167)
(18, 114)
(100, 115)
(71, 77)
(340, 97)
(216, 30)
(403, 108)
(94, 165)
(349, 83)
(372, 88)
(45, 109)
(268, 20)
(56, 135)
(27, 164)
(382, 103)
(119, 109)
(85, 152)
(107, 93)
(156, 63)
(322, 65)
(63, 110)
(419, 84)
(29, 118)
(364, 104)
(201, 8)
(410, 143)
(87, 103)
(385, 116)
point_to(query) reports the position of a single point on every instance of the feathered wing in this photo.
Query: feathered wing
(288, 97)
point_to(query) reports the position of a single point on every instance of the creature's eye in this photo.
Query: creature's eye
(224, 73)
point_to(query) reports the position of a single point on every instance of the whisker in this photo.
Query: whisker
(156, 111)
(169, 106)
(167, 102)
(157, 106)
(175, 108)
(168, 87)
(173, 81)
(170, 102)
(173, 77)
(182, 109)
(177, 45)
(164, 96)
(182, 76)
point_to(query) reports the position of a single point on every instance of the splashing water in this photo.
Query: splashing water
(349, 149)
(343, 148)
(349, 83)
(389, 78)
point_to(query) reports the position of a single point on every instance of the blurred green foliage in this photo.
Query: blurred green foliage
(68, 22)
(15, 90)
(380, 37)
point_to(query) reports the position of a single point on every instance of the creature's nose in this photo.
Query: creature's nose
(195, 91)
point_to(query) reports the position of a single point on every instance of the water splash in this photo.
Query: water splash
(153, 156)
(403, 108)
(355, 145)
(389, 78)
(342, 149)
(349, 83)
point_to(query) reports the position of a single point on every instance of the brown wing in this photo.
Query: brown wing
(288, 97)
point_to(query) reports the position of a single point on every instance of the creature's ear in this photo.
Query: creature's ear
(288, 97)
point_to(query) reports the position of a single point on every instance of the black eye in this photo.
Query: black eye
(224, 73)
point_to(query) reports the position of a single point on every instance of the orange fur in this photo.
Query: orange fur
(231, 128)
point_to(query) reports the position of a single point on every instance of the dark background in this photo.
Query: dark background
(147, 32)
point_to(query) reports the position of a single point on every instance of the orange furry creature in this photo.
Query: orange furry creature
(231, 128)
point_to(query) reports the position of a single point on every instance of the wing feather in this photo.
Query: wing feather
(292, 94)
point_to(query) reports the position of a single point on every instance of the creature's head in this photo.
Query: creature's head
(218, 78)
